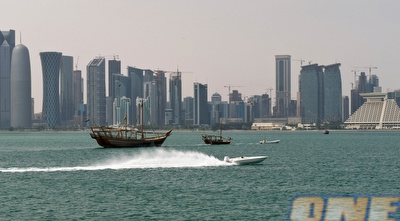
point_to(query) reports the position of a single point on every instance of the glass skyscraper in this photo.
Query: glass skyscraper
(175, 97)
(96, 92)
(66, 86)
(283, 78)
(332, 93)
(320, 89)
(7, 43)
(200, 105)
(51, 102)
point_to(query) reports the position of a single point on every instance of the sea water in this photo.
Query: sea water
(67, 176)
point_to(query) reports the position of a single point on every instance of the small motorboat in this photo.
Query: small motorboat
(245, 160)
(265, 141)
(326, 131)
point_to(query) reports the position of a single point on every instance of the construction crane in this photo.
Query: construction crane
(301, 61)
(114, 56)
(369, 68)
(229, 90)
(270, 91)
(76, 63)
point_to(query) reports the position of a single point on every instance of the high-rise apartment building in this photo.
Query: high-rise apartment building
(161, 89)
(332, 93)
(77, 94)
(66, 93)
(283, 78)
(20, 82)
(96, 91)
(310, 88)
(320, 90)
(136, 77)
(345, 108)
(7, 44)
(175, 97)
(200, 105)
(51, 102)
(114, 67)
(188, 105)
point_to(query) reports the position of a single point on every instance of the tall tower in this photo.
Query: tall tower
(7, 43)
(77, 94)
(310, 93)
(51, 102)
(21, 95)
(66, 95)
(136, 77)
(161, 90)
(175, 97)
(283, 96)
(96, 91)
(200, 105)
(114, 67)
(332, 93)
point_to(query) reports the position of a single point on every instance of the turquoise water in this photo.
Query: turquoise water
(67, 176)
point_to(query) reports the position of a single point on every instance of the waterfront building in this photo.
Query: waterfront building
(283, 85)
(51, 62)
(310, 83)
(200, 104)
(136, 91)
(114, 67)
(77, 94)
(320, 92)
(175, 97)
(378, 112)
(96, 92)
(20, 82)
(332, 95)
(66, 94)
(345, 108)
(188, 105)
(7, 44)
(121, 86)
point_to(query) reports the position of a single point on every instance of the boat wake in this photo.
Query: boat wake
(159, 158)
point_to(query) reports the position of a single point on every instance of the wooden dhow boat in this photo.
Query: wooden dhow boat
(125, 136)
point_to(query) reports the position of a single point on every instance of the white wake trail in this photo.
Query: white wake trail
(155, 158)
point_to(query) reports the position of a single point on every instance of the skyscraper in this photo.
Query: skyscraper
(283, 78)
(114, 67)
(21, 95)
(310, 83)
(96, 91)
(161, 85)
(320, 89)
(175, 97)
(66, 95)
(136, 77)
(77, 91)
(51, 101)
(200, 105)
(7, 43)
(332, 93)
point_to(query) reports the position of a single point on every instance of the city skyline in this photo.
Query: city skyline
(211, 40)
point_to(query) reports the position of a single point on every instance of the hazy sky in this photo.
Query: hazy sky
(223, 42)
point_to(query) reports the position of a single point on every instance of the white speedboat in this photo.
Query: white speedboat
(245, 160)
(265, 141)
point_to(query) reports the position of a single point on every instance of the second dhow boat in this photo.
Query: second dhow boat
(216, 139)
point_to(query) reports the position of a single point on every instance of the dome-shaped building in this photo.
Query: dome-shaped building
(20, 82)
